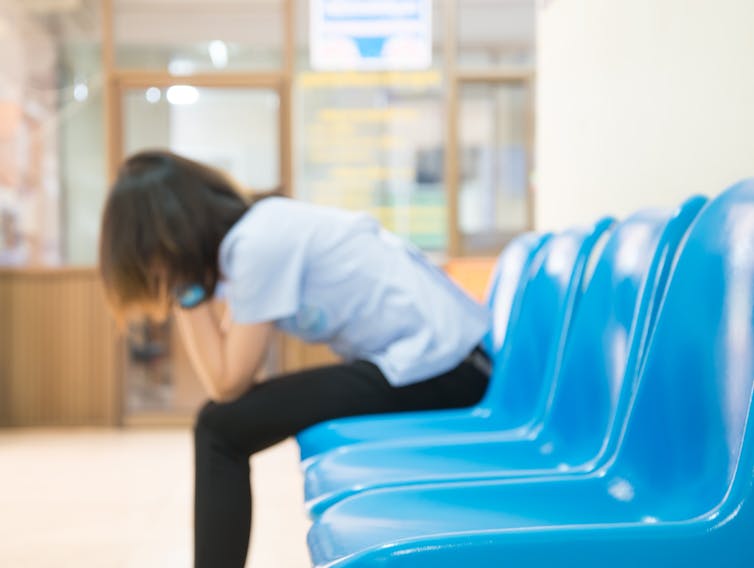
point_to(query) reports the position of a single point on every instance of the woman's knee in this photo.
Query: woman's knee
(210, 419)
(214, 431)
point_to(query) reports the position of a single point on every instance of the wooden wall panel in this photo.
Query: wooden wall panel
(59, 350)
(4, 350)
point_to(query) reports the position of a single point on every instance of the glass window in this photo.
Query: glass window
(374, 141)
(190, 36)
(494, 164)
(51, 132)
(234, 129)
(493, 33)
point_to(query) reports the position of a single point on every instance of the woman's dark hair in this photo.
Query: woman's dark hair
(162, 226)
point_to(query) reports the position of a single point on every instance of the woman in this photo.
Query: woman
(173, 230)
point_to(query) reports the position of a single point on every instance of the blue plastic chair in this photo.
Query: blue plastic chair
(679, 491)
(506, 284)
(502, 297)
(556, 285)
(593, 385)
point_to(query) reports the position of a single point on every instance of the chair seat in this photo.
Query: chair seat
(339, 474)
(401, 514)
(317, 440)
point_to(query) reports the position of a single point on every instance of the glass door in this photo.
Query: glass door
(236, 129)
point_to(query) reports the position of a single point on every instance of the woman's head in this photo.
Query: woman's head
(162, 226)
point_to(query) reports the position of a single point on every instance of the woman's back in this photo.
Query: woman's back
(334, 276)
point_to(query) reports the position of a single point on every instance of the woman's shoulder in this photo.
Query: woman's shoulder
(283, 223)
(266, 215)
(281, 209)
(285, 213)
(269, 226)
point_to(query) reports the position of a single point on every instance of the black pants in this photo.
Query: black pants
(227, 434)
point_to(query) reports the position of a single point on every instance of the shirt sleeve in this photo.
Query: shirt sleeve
(265, 274)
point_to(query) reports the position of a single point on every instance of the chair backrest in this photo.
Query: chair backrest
(606, 342)
(538, 324)
(685, 432)
(506, 284)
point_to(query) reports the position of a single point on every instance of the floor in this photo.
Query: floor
(122, 499)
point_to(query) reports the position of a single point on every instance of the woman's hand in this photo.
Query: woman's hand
(226, 355)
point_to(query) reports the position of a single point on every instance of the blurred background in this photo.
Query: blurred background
(457, 123)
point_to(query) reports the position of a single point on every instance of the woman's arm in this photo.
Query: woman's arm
(226, 358)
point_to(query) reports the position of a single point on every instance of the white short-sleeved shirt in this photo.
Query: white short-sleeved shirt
(334, 276)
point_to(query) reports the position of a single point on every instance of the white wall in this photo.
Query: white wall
(640, 103)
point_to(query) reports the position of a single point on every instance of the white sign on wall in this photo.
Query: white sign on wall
(371, 34)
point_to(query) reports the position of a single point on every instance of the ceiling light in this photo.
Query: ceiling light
(153, 95)
(218, 53)
(80, 92)
(182, 95)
